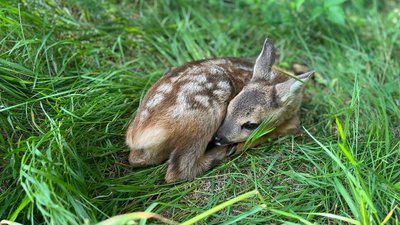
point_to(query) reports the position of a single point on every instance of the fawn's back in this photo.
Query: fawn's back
(182, 110)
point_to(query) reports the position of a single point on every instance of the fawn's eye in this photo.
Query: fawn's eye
(250, 126)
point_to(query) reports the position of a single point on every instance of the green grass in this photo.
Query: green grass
(72, 74)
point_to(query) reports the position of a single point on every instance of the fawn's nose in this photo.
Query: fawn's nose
(220, 140)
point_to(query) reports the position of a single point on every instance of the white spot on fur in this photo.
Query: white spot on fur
(180, 107)
(223, 85)
(155, 100)
(202, 99)
(209, 85)
(216, 70)
(243, 67)
(200, 78)
(219, 92)
(191, 87)
(150, 138)
(165, 88)
(176, 112)
(173, 79)
(220, 61)
(144, 115)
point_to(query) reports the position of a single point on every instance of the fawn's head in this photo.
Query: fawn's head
(261, 100)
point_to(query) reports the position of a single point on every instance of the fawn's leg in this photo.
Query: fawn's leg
(193, 161)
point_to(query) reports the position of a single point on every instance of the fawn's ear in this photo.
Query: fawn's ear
(292, 87)
(264, 62)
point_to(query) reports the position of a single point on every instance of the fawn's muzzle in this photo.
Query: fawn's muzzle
(220, 140)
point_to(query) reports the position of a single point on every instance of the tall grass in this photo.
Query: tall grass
(72, 74)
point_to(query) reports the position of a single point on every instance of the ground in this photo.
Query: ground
(72, 74)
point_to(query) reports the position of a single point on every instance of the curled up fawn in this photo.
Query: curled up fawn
(214, 100)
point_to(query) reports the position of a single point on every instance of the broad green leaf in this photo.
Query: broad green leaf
(336, 15)
(299, 3)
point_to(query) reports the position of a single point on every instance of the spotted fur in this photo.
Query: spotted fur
(184, 109)
(180, 113)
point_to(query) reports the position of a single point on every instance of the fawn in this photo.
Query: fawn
(184, 109)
